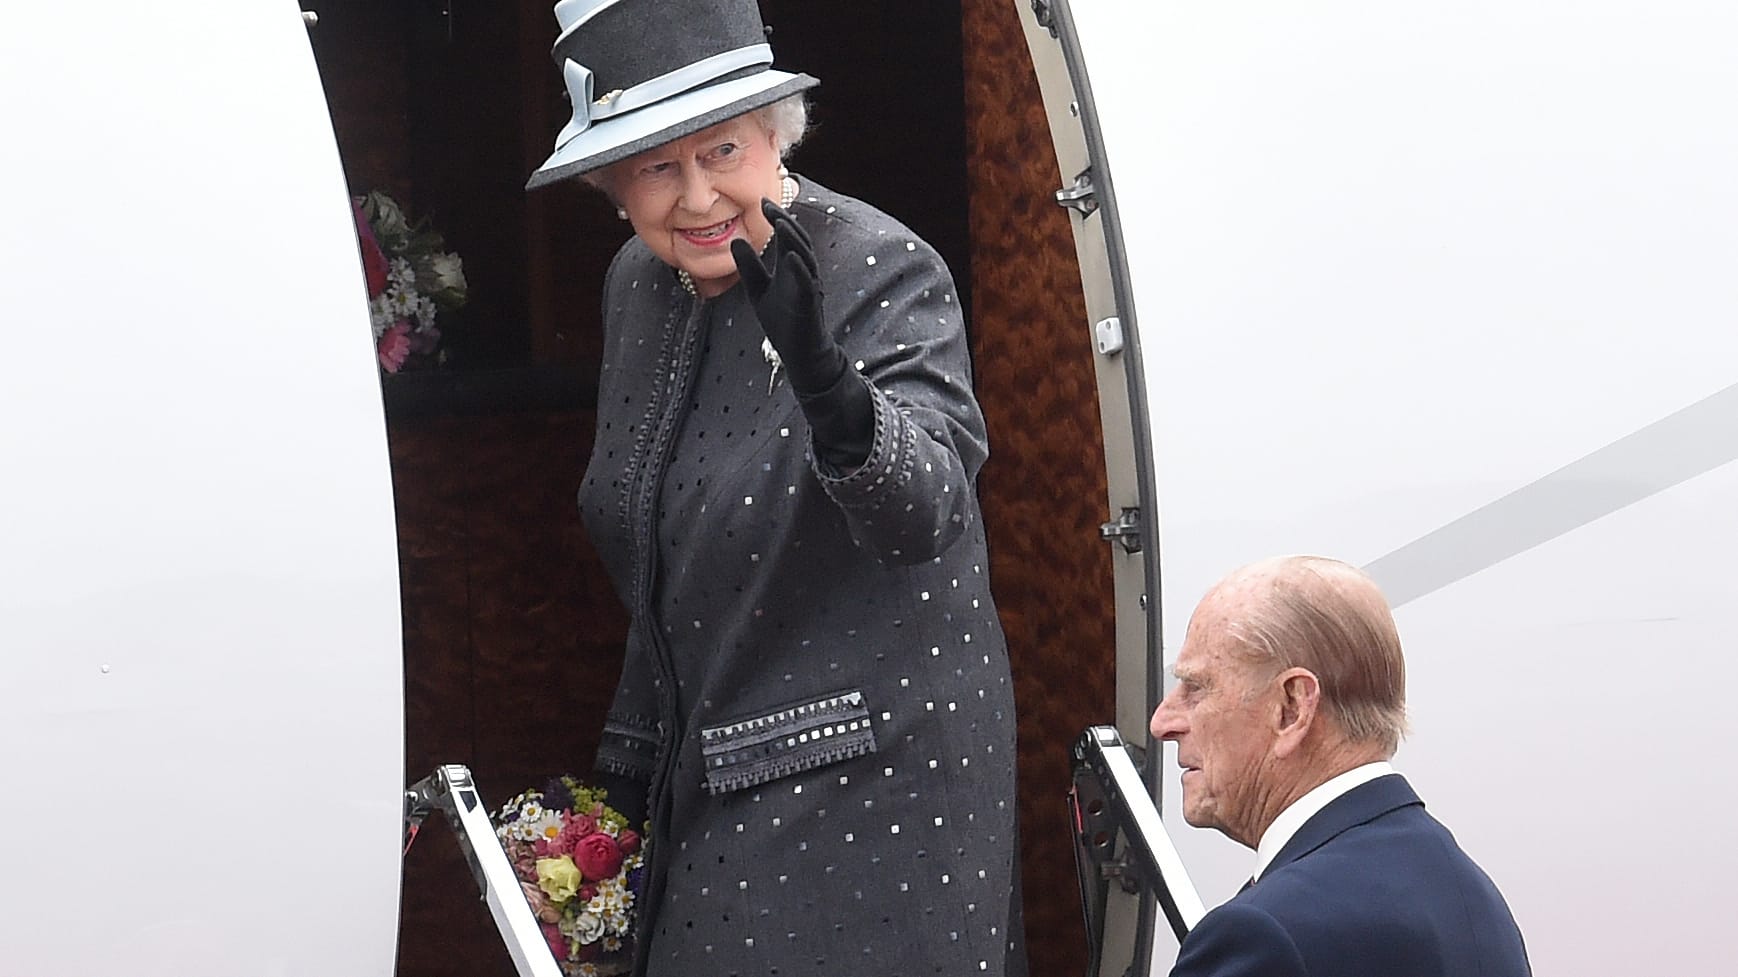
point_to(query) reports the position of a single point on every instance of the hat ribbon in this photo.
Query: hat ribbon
(587, 109)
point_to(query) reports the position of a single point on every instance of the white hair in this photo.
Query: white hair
(787, 120)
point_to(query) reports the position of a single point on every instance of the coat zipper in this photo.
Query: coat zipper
(679, 368)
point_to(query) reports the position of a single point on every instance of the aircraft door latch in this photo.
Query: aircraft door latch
(1124, 529)
(1082, 196)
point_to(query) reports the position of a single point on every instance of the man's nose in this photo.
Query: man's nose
(1167, 722)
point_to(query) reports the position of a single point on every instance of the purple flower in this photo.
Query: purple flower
(423, 341)
(556, 796)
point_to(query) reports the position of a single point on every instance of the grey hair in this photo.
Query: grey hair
(1330, 618)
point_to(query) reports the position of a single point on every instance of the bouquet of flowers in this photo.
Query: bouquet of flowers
(411, 280)
(579, 864)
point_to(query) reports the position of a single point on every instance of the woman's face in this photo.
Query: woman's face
(690, 198)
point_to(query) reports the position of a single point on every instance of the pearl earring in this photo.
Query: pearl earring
(621, 213)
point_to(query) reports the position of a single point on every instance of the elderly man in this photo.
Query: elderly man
(1290, 698)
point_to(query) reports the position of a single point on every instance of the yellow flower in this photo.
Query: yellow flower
(559, 877)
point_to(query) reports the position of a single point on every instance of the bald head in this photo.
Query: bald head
(1330, 618)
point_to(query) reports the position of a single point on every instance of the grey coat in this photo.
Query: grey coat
(816, 688)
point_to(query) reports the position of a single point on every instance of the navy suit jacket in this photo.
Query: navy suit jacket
(1372, 886)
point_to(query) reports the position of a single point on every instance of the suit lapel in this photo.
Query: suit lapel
(1360, 805)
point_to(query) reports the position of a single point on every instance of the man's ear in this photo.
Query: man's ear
(1300, 697)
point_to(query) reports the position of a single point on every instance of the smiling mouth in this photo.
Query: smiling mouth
(709, 236)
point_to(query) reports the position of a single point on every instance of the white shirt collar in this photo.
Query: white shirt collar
(1308, 806)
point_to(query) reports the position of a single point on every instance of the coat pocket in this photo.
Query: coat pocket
(814, 733)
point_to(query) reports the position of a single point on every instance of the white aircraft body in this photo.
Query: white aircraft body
(200, 712)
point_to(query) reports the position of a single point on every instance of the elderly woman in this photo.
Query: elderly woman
(815, 702)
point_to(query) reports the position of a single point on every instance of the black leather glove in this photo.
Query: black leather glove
(784, 285)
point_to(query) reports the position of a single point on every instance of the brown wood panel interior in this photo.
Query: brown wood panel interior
(1043, 490)
(512, 642)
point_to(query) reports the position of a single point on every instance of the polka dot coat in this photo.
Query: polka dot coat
(816, 696)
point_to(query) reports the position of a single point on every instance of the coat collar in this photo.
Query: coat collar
(1360, 805)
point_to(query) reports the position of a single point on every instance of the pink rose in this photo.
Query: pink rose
(629, 841)
(578, 826)
(597, 856)
(394, 346)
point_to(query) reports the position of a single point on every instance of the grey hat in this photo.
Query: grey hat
(641, 73)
